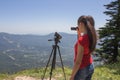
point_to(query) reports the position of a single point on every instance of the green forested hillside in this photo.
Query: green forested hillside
(19, 52)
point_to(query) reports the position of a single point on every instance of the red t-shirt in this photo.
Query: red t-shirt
(87, 59)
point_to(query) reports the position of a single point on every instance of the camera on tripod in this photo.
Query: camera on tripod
(53, 54)
(57, 38)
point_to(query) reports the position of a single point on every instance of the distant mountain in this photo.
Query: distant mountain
(19, 52)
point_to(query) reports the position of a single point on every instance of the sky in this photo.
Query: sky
(48, 16)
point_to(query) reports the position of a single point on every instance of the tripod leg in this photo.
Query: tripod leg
(53, 61)
(51, 72)
(47, 63)
(61, 62)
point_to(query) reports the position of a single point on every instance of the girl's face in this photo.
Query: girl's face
(80, 28)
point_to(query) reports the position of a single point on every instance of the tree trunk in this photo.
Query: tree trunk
(115, 54)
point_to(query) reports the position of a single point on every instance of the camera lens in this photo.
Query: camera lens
(74, 28)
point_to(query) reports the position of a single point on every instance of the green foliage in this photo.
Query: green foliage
(3, 76)
(109, 35)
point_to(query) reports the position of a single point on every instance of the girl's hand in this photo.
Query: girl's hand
(71, 78)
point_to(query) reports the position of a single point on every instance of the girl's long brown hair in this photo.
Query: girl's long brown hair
(89, 25)
(92, 27)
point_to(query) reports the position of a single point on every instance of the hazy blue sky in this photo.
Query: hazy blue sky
(46, 16)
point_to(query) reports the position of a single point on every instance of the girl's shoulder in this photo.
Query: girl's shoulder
(83, 39)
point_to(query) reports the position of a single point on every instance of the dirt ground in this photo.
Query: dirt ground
(28, 78)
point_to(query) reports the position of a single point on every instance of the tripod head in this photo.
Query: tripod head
(56, 39)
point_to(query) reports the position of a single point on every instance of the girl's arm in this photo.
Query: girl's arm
(77, 62)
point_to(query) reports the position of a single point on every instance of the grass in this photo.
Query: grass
(38, 73)
(105, 72)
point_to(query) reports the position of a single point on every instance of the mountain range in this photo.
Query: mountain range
(19, 52)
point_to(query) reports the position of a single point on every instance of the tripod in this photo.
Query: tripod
(53, 52)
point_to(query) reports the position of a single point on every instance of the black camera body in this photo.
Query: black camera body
(57, 38)
(74, 28)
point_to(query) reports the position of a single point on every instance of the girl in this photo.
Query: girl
(85, 45)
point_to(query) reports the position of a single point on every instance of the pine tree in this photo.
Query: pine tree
(110, 33)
